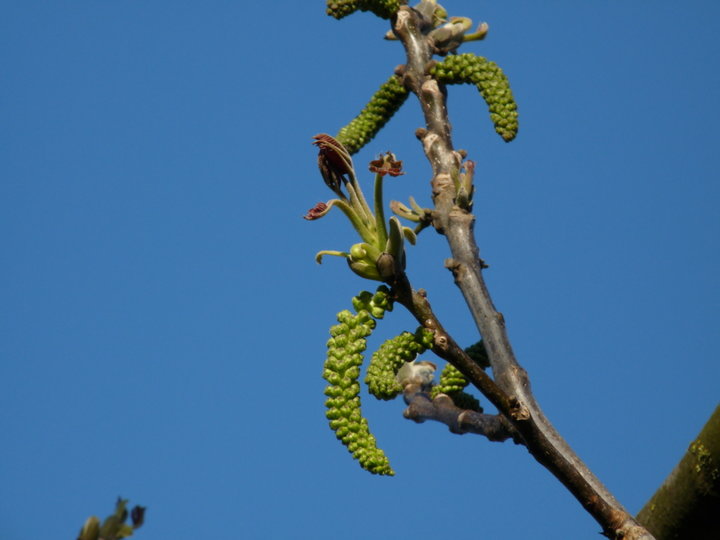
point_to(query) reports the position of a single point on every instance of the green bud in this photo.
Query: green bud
(381, 298)
(395, 245)
(90, 530)
(362, 261)
(362, 300)
(339, 341)
(334, 402)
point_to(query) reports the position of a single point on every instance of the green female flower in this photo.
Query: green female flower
(381, 254)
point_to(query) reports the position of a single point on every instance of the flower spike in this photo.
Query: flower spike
(386, 101)
(492, 83)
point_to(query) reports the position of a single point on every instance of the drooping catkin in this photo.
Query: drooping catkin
(390, 357)
(381, 107)
(342, 372)
(490, 81)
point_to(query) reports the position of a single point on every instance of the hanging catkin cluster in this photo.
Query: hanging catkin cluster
(346, 347)
(492, 83)
(342, 372)
(390, 357)
(342, 8)
(384, 103)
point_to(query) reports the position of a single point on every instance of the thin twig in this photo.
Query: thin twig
(441, 408)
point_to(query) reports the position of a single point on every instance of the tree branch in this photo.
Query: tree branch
(686, 504)
(510, 391)
(441, 408)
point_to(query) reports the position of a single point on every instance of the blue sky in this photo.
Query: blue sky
(163, 322)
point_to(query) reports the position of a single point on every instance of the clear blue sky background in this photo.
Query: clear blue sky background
(163, 322)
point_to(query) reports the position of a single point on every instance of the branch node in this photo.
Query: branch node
(442, 181)
(443, 400)
(518, 411)
(429, 140)
(441, 342)
(431, 89)
(453, 266)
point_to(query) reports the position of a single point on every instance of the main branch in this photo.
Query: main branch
(510, 379)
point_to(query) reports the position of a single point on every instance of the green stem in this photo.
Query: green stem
(360, 224)
(355, 184)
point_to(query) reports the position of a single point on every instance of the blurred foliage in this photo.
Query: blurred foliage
(115, 525)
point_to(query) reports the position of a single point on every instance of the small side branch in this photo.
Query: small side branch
(422, 407)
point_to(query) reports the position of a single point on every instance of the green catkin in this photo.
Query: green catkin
(382, 8)
(390, 357)
(478, 353)
(342, 372)
(466, 401)
(452, 383)
(490, 81)
(384, 103)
